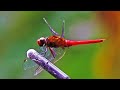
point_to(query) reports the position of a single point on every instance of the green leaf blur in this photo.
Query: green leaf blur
(19, 31)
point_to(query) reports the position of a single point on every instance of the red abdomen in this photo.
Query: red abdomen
(73, 42)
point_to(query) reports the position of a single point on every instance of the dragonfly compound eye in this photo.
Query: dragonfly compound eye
(41, 42)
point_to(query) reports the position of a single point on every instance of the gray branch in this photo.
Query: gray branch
(46, 64)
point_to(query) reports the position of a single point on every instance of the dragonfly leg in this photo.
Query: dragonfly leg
(51, 29)
(63, 29)
(45, 51)
(42, 50)
(52, 52)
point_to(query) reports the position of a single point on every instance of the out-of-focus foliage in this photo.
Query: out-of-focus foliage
(19, 31)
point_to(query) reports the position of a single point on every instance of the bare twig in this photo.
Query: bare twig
(46, 64)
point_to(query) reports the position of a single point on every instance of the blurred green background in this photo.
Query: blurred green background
(19, 31)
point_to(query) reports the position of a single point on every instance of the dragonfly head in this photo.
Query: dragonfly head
(41, 41)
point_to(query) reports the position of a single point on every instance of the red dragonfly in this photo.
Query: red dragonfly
(53, 47)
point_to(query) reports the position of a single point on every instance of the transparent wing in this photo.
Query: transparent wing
(58, 53)
(29, 64)
(38, 70)
(35, 68)
(29, 67)
(45, 53)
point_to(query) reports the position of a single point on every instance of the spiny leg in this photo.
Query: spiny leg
(63, 29)
(51, 29)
